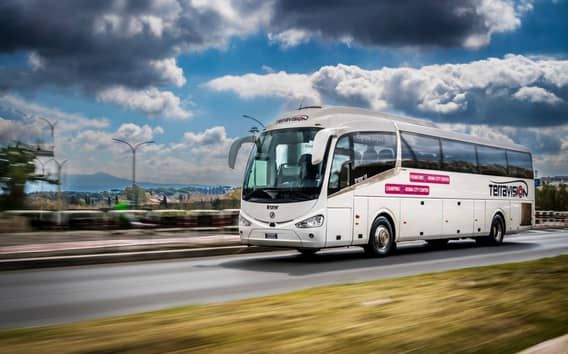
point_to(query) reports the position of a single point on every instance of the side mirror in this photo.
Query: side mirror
(345, 175)
(320, 143)
(236, 146)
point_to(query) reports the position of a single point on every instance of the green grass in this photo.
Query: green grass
(499, 309)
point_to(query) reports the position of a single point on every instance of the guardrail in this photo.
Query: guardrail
(112, 219)
(551, 217)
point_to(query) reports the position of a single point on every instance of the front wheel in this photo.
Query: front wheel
(381, 240)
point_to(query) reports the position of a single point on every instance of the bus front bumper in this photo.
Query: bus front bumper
(280, 237)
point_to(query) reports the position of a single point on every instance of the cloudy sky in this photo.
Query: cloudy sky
(182, 72)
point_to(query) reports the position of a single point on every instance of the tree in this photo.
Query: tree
(549, 197)
(16, 169)
(136, 192)
(562, 198)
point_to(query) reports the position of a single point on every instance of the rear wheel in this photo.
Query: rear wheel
(381, 240)
(441, 243)
(496, 233)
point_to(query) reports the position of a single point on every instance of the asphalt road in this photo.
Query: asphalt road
(58, 295)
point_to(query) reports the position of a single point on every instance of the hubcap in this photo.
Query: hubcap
(497, 232)
(382, 236)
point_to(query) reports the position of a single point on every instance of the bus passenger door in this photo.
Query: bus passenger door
(340, 197)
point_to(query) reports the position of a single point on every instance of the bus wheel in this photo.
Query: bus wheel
(307, 252)
(441, 243)
(496, 234)
(381, 241)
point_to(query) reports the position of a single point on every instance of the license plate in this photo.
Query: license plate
(271, 236)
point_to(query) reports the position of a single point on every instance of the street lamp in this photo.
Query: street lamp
(52, 126)
(253, 131)
(42, 167)
(254, 119)
(133, 148)
(59, 169)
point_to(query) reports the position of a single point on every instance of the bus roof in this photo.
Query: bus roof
(352, 118)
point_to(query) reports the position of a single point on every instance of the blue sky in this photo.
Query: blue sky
(183, 72)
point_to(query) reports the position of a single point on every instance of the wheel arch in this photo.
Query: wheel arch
(389, 216)
(501, 213)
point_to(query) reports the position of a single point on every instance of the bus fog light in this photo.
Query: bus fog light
(314, 221)
(243, 221)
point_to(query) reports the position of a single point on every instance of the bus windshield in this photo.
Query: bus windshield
(280, 169)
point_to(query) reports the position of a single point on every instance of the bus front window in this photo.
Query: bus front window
(281, 169)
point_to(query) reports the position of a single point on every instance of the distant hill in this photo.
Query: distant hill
(100, 182)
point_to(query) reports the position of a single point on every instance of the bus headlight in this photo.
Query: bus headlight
(243, 221)
(314, 221)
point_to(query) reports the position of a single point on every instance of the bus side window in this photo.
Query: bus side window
(492, 161)
(341, 155)
(420, 151)
(374, 153)
(519, 164)
(459, 156)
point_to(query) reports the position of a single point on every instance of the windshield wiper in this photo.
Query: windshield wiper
(259, 193)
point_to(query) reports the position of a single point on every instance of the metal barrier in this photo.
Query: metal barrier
(112, 219)
(554, 218)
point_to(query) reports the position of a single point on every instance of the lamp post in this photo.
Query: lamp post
(254, 119)
(59, 166)
(42, 167)
(133, 148)
(52, 126)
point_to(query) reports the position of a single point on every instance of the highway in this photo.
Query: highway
(59, 295)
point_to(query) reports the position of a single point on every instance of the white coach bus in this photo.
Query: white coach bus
(324, 177)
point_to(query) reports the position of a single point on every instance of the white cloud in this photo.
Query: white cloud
(12, 131)
(151, 101)
(474, 92)
(498, 16)
(536, 95)
(209, 143)
(17, 109)
(281, 84)
(138, 133)
(289, 38)
(169, 71)
(191, 157)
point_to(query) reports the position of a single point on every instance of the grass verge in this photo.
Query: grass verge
(497, 309)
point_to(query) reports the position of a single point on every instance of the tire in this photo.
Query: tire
(440, 243)
(382, 239)
(496, 233)
(308, 252)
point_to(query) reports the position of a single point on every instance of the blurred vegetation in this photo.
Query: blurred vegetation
(550, 197)
(136, 194)
(16, 168)
(497, 309)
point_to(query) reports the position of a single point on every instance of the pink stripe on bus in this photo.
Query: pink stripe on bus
(391, 188)
(429, 178)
